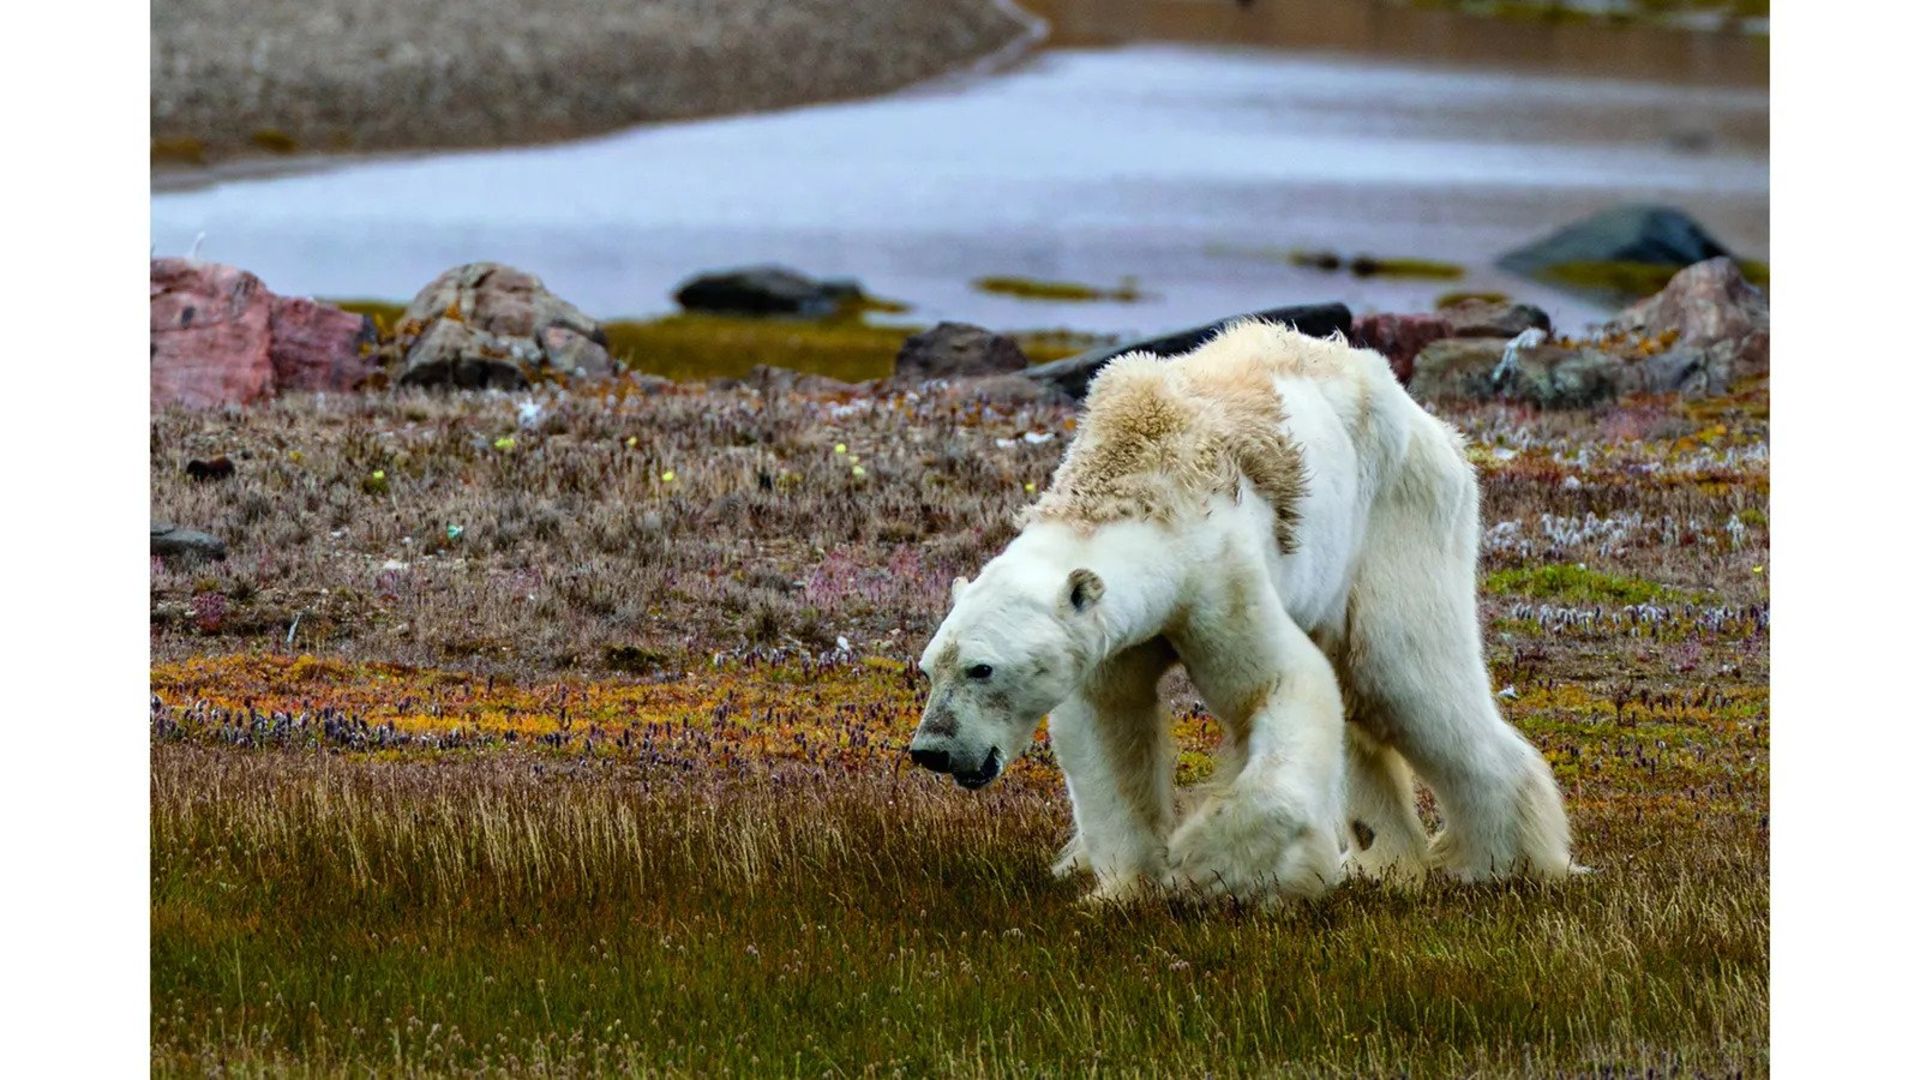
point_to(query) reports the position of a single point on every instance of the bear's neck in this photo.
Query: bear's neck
(1139, 567)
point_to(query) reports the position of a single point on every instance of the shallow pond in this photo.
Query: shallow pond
(1192, 171)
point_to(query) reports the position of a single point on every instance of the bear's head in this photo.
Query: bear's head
(1016, 643)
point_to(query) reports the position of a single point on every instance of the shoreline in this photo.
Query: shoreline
(243, 89)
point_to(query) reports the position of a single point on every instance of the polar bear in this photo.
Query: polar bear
(1272, 511)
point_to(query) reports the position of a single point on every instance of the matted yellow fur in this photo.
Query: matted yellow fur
(1160, 437)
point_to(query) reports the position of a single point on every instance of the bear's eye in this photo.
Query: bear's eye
(980, 671)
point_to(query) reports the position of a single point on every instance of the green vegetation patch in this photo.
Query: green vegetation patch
(1035, 289)
(1632, 280)
(1567, 583)
(701, 346)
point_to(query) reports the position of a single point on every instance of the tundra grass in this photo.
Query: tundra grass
(587, 757)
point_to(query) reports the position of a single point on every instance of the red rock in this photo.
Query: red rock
(211, 333)
(317, 347)
(1399, 338)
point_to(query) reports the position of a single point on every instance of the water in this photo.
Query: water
(1192, 170)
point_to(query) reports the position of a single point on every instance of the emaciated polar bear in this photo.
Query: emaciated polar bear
(1274, 512)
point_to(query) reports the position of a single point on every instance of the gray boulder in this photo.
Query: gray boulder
(1655, 235)
(1546, 375)
(1072, 374)
(954, 350)
(474, 321)
(172, 541)
(1711, 311)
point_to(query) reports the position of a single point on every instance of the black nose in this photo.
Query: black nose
(930, 759)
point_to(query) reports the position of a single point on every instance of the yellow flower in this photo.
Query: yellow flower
(504, 443)
(295, 456)
(839, 448)
(859, 470)
(667, 477)
(379, 474)
(1029, 487)
(633, 441)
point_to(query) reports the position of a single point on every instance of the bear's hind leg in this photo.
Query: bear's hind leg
(1115, 746)
(1412, 662)
(1386, 840)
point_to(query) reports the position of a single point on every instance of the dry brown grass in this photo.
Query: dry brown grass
(500, 808)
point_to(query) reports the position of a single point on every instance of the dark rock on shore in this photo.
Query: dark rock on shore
(1488, 319)
(171, 541)
(765, 290)
(485, 325)
(220, 337)
(1072, 374)
(1647, 235)
(958, 350)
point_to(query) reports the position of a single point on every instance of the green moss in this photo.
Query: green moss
(1633, 280)
(1566, 583)
(180, 150)
(1448, 299)
(385, 314)
(274, 141)
(689, 346)
(701, 346)
(1371, 266)
(1036, 289)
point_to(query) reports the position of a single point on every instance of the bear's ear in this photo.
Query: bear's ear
(1084, 589)
(959, 584)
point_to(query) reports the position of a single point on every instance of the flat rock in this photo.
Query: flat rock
(1072, 374)
(764, 290)
(171, 541)
(1496, 319)
(958, 350)
(1546, 375)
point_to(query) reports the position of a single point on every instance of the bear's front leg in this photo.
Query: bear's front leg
(1115, 746)
(1272, 826)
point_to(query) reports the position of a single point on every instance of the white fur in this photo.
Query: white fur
(1376, 599)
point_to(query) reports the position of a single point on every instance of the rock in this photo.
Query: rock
(171, 541)
(315, 346)
(570, 351)
(1485, 318)
(219, 337)
(1072, 374)
(460, 355)
(499, 317)
(211, 335)
(769, 379)
(1547, 375)
(1711, 310)
(1656, 235)
(218, 468)
(1399, 338)
(765, 290)
(1009, 389)
(957, 350)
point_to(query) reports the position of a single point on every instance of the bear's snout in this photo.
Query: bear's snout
(936, 760)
